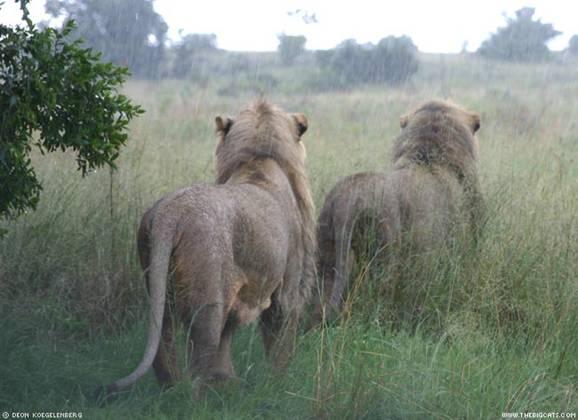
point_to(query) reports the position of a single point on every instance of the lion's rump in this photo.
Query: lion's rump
(238, 232)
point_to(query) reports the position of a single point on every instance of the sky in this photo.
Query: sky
(435, 26)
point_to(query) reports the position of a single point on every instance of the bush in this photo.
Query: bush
(54, 95)
(393, 60)
(522, 39)
(573, 45)
(191, 52)
(290, 47)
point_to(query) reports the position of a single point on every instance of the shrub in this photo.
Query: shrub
(573, 45)
(290, 47)
(522, 39)
(191, 52)
(62, 92)
(393, 60)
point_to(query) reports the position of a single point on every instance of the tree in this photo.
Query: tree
(350, 61)
(522, 39)
(573, 45)
(191, 51)
(54, 95)
(393, 60)
(127, 32)
(290, 47)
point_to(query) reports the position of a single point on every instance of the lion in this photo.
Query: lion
(238, 250)
(431, 193)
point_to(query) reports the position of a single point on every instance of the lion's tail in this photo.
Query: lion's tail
(334, 234)
(158, 272)
(343, 235)
(325, 265)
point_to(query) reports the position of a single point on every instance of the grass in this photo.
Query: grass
(469, 336)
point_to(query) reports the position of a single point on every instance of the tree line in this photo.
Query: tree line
(131, 34)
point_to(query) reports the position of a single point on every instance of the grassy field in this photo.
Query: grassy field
(496, 330)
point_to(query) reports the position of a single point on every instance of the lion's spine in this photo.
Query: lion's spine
(157, 273)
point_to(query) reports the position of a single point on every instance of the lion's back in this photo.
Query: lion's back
(240, 223)
(429, 204)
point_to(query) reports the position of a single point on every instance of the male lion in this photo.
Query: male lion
(236, 251)
(431, 192)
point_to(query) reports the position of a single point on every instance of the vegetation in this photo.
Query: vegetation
(54, 95)
(393, 60)
(469, 335)
(522, 39)
(127, 32)
(573, 45)
(191, 52)
(290, 47)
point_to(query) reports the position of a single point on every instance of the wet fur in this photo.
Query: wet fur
(240, 250)
(431, 193)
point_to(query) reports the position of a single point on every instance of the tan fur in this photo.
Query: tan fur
(432, 192)
(239, 250)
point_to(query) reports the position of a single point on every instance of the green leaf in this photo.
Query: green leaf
(62, 91)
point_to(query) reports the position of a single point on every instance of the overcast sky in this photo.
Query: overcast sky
(434, 25)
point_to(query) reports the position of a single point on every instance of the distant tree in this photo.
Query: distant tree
(393, 60)
(522, 39)
(351, 61)
(323, 58)
(127, 32)
(54, 95)
(573, 45)
(290, 47)
(190, 52)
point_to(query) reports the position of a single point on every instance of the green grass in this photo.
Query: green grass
(471, 335)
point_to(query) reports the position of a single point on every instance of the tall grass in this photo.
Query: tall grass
(467, 334)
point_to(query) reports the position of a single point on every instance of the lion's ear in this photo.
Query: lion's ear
(403, 120)
(475, 122)
(223, 125)
(302, 123)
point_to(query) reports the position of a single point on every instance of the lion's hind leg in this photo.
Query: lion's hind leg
(279, 331)
(224, 362)
(208, 348)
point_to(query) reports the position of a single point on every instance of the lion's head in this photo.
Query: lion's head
(438, 133)
(260, 131)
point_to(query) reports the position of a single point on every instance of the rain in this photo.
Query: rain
(357, 209)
